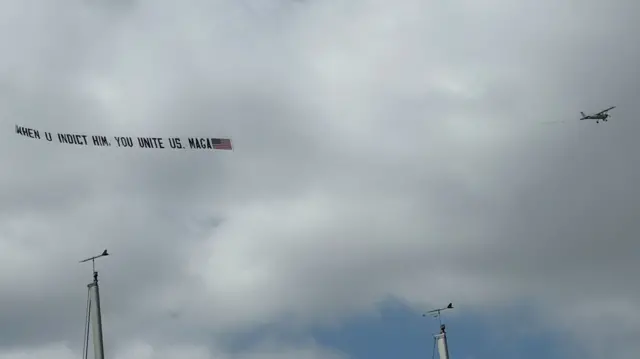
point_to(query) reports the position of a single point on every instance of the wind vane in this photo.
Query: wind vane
(93, 259)
(436, 312)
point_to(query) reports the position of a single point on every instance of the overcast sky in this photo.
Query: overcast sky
(383, 149)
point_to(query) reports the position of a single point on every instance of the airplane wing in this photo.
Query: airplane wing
(609, 109)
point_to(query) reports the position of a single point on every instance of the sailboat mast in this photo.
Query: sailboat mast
(96, 329)
(94, 312)
(441, 339)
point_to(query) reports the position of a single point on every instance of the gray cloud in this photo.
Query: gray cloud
(381, 149)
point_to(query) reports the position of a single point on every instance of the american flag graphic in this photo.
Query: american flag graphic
(222, 144)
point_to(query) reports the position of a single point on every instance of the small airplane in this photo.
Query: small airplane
(600, 116)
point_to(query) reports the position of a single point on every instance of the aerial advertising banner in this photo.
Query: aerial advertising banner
(193, 143)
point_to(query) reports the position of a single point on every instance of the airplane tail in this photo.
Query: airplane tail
(583, 115)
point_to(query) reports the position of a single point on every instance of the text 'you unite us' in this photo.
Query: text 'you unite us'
(194, 143)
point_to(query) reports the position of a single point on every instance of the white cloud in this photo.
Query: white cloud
(143, 350)
(381, 149)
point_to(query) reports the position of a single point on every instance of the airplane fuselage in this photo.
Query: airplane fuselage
(600, 116)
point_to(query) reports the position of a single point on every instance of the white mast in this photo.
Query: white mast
(440, 339)
(93, 310)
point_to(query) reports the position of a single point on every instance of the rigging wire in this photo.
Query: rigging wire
(87, 320)
(433, 352)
